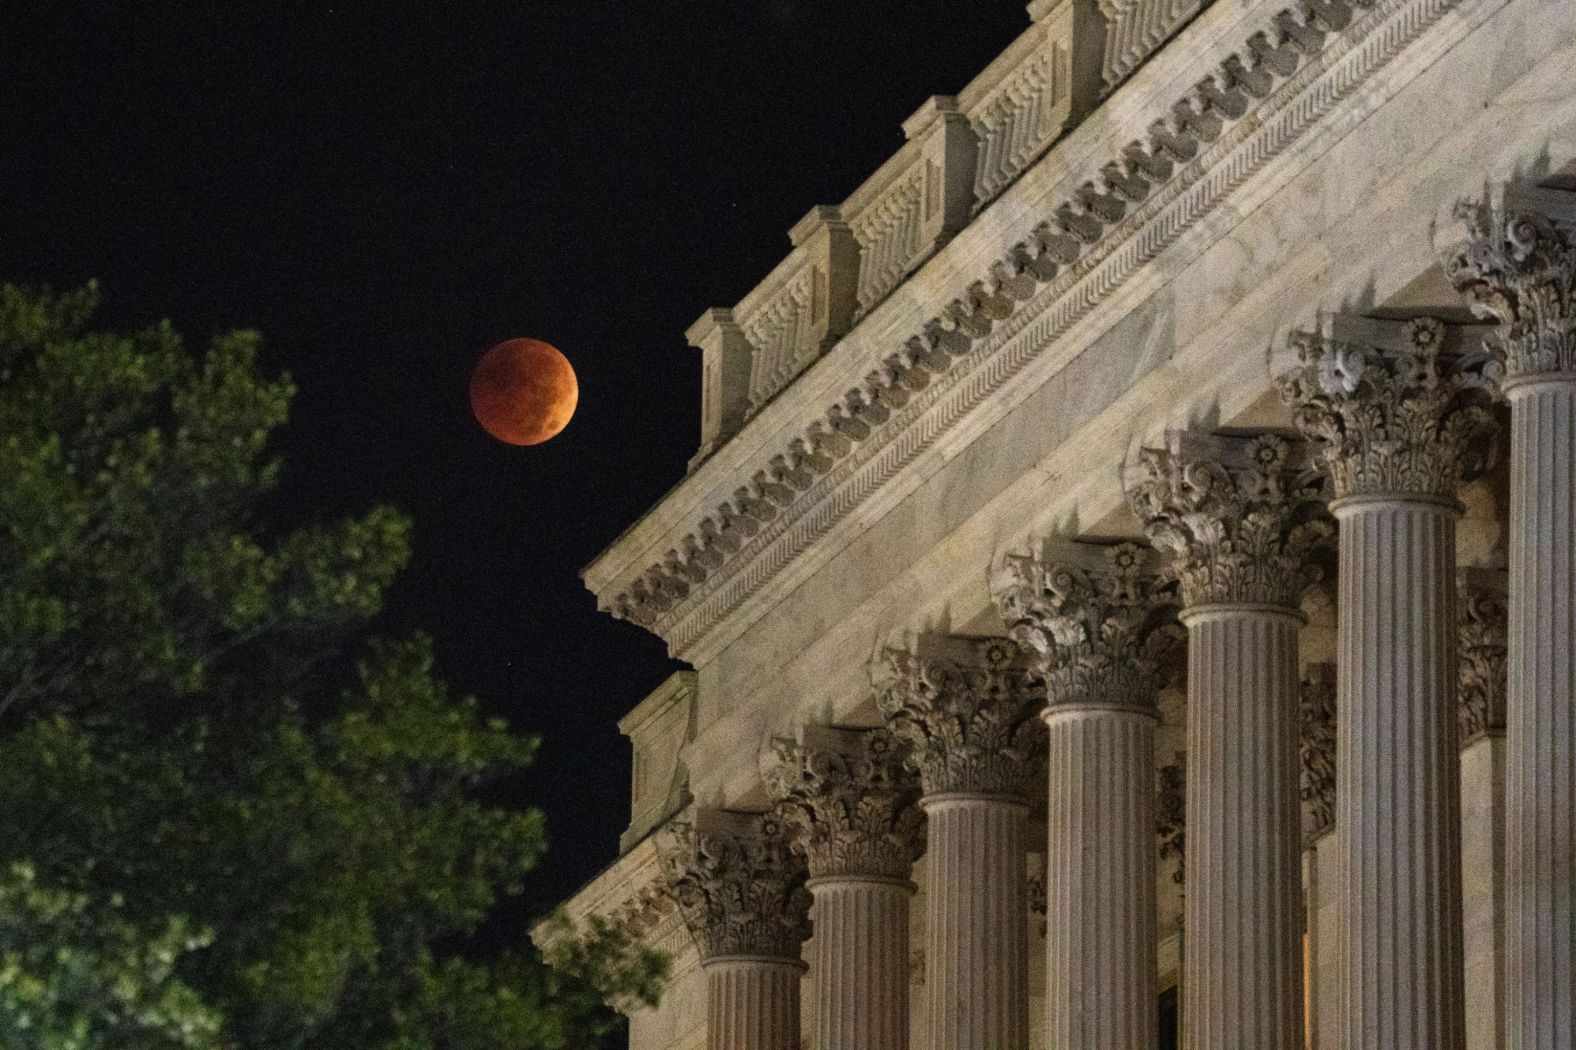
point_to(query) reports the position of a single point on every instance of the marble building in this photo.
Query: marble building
(1128, 570)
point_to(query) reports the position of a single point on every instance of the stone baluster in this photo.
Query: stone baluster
(1101, 624)
(741, 892)
(1518, 268)
(1482, 710)
(1398, 419)
(849, 804)
(967, 710)
(1237, 518)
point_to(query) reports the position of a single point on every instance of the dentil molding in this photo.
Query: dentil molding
(1259, 102)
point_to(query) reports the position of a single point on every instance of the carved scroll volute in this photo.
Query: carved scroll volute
(967, 709)
(1484, 652)
(1100, 621)
(1237, 518)
(1517, 268)
(1404, 417)
(849, 802)
(1317, 750)
(738, 885)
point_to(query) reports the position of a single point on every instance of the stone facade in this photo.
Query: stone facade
(1171, 448)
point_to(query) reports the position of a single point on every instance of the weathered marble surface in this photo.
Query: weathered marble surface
(1333, 216)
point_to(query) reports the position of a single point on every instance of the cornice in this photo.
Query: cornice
(633, 893)
(1250, 110)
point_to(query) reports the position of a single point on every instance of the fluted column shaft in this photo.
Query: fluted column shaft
(1397, 777)
(848, 801)
(753, 1003)
(1483, 890)
(967, 708)
(977, 923)
(1100, 879)
(1239, 518)
(741, 892)
(859, 955)
(1103, 622)
(1540, 906)
(1242, 957)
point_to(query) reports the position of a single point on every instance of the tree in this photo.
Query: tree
(187, 743)
(75, 976)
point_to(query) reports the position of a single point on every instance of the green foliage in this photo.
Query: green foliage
(184, 746)
(74, 976)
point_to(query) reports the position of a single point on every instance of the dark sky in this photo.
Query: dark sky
(387, 189)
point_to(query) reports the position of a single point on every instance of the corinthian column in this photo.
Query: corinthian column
(967, 710)
(1483, 657)
(1321, 877)
(1518, 268)
(850, 806)
(741, 892)
(1396, 421)
(1101, 624)
(1236, 519)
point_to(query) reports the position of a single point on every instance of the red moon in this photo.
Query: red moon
(523, 391)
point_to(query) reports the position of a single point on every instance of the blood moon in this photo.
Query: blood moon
(524, 391)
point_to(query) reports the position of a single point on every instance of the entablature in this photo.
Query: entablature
(920, 374)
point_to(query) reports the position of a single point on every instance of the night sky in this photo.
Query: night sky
(386, 190)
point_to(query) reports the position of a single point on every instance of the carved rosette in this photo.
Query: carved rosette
(1483, 655)
(1235, 529)
(1317, 750)
(1394, 423)
(1518, 269)
(968, 717)
(1171, 815)
(851, 812)
(741, 892)
(1101, 633)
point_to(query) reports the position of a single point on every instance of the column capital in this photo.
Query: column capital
(1237, 517)
(849, 802)
(966, 708)
(1396, 410)
(738, 885)
(1517, 268)
(1484, 638)
(1100, 620)
(1317, 750)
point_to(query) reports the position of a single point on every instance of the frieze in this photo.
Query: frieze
(1142, 200)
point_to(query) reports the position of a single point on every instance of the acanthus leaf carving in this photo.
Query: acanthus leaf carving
(1316, 750)
(968, 714)
(1238, 520)
(1274, 62)
(740, 888)
(1101, 632)
(1171, 814)
(850, 805)
(1407, 422)
(1484, 651)
(1518, 269)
